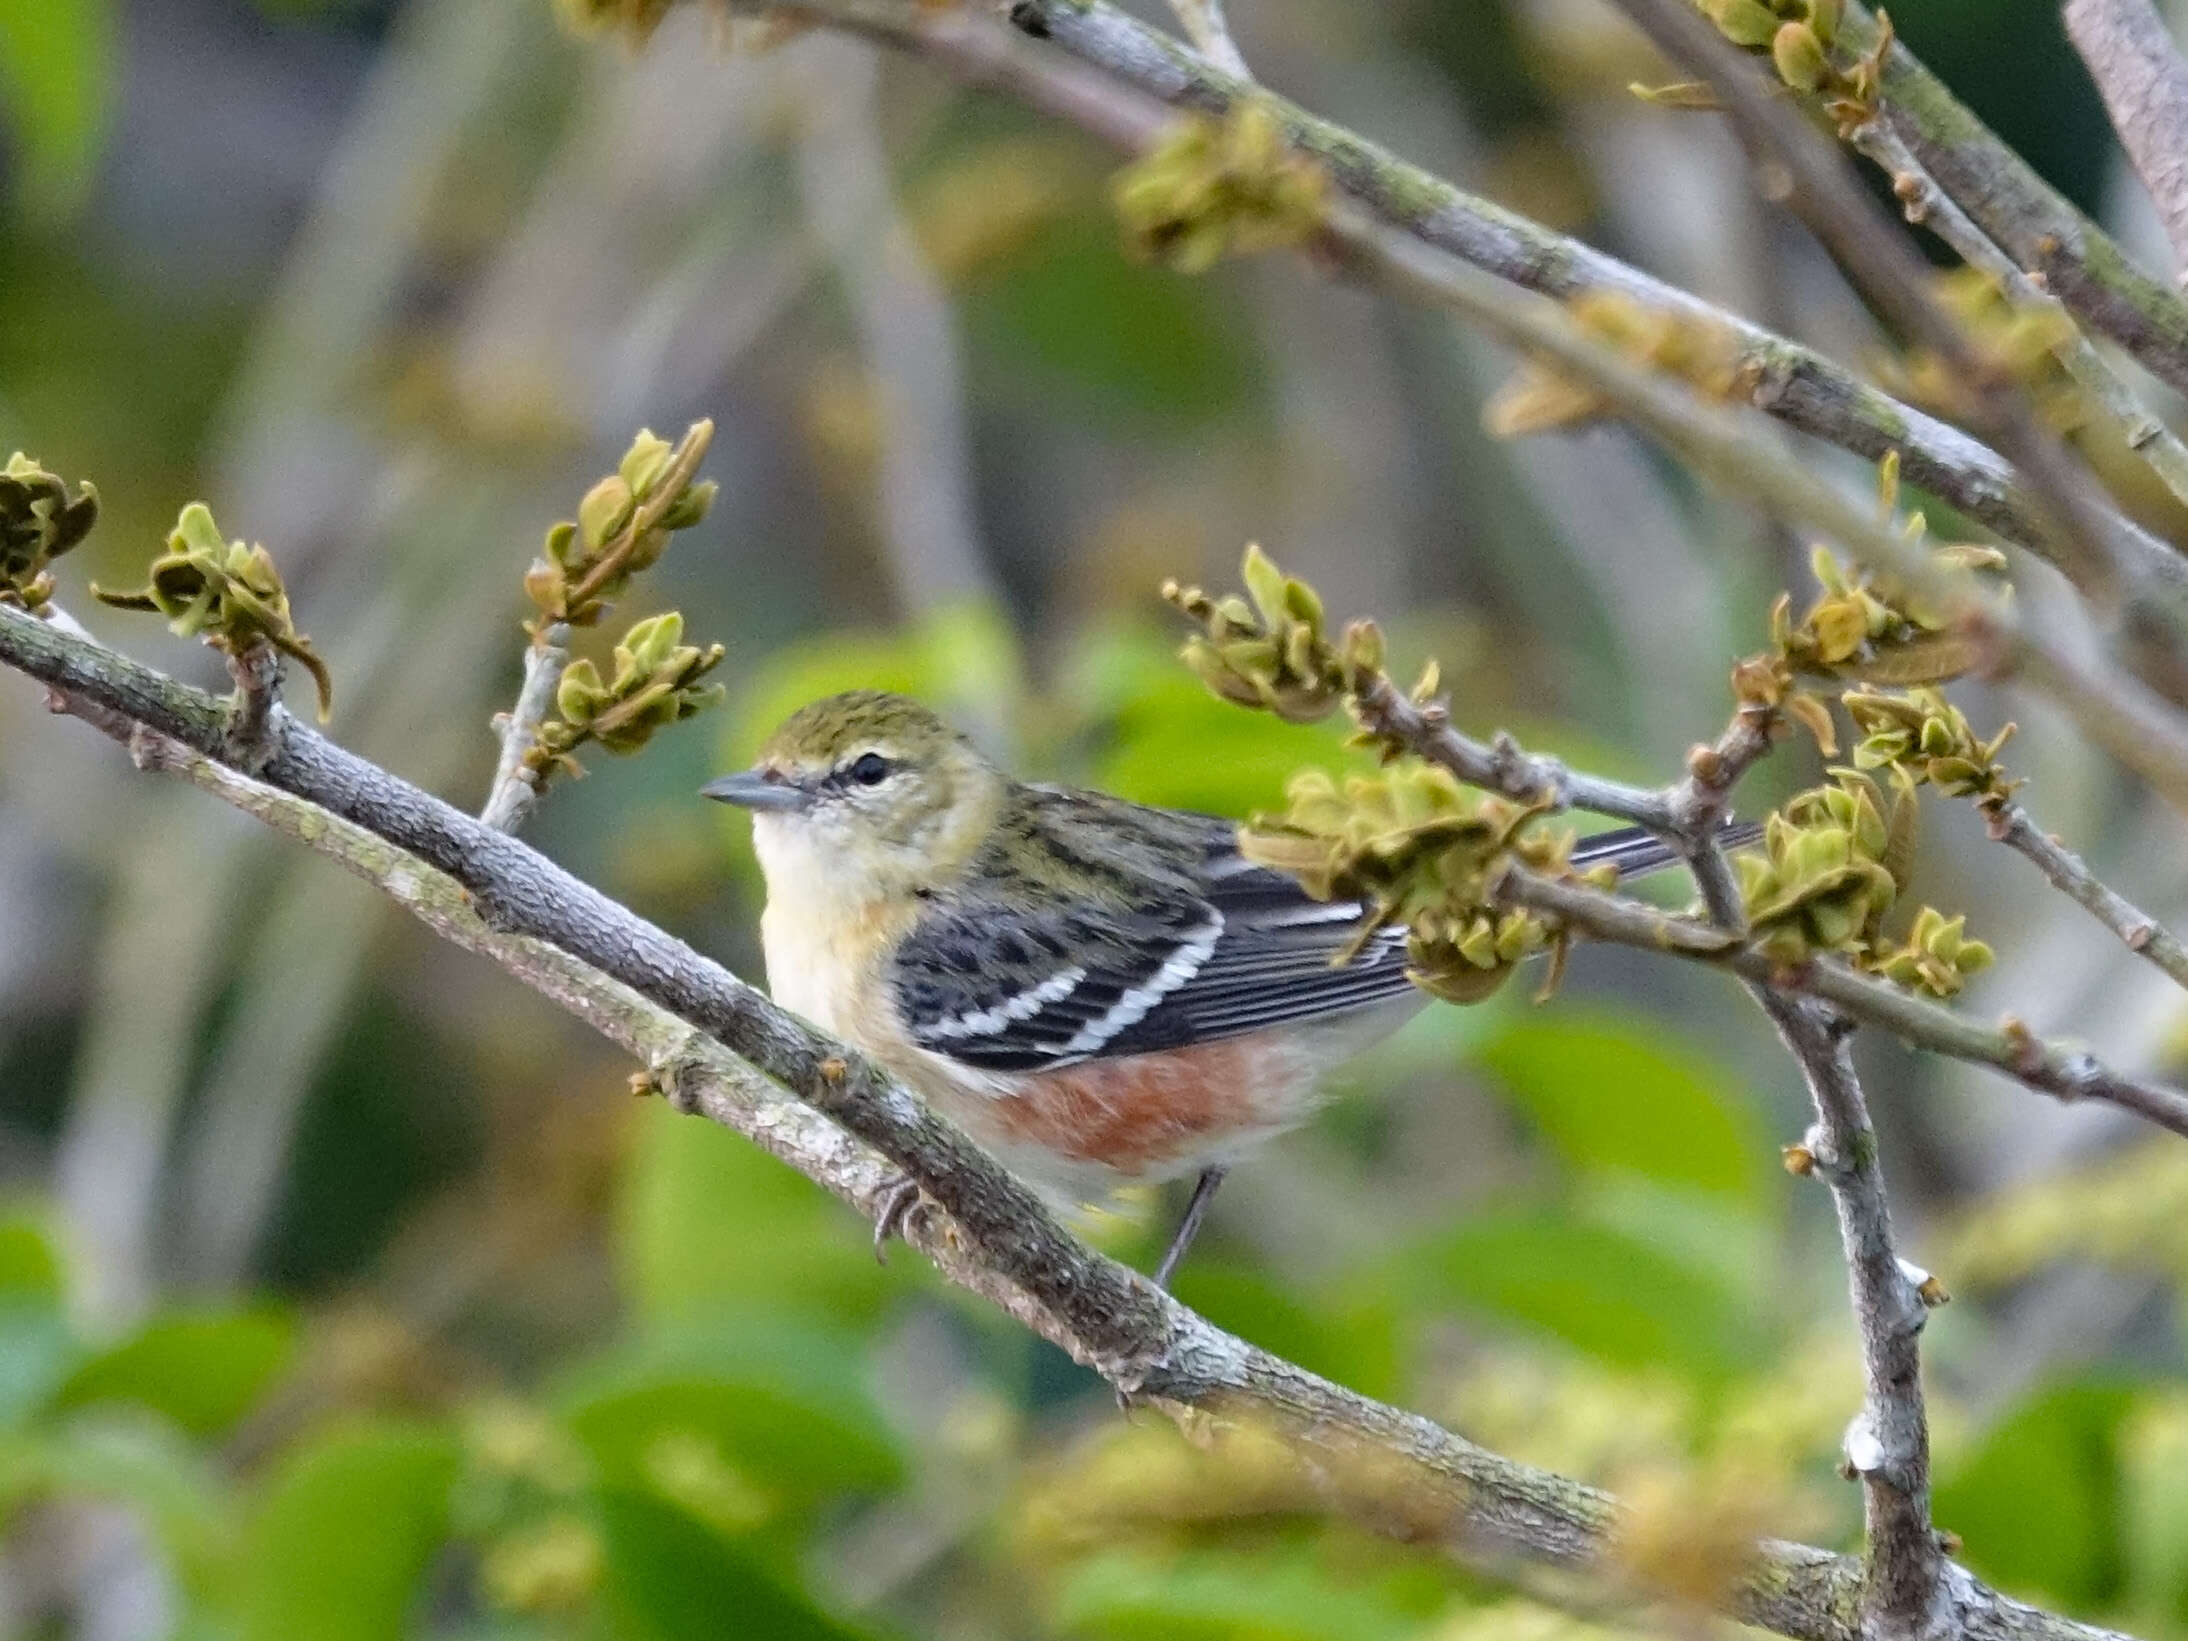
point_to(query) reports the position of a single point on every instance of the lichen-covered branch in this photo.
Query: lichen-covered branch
(2139, 71)
(1798, 386)
(2119, 713)
(2114, 401)
(718, 1047)
(2030, 221)
(2082, 532)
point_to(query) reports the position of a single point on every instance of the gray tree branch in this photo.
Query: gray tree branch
(2031, 221)
(2083, 533)
(1930, 206)
(2141, 933)
(1793, 383)
(1888, 1444)
(1210, 32)
(2066, 1074)
(2118, 712)
(516, 786)
(2144, 83)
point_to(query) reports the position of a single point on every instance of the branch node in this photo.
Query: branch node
(2080, 1077)
(147, 749)
(248, 738)
(1863, 1448)
(677, 1075)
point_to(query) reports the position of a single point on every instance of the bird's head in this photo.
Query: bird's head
(869, 790)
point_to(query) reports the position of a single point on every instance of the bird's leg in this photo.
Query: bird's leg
(1196, 1210)
(889, 1223)
(1204, 1192)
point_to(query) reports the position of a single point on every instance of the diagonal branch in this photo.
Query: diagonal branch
(721, 1049)
(1502, 765)
(1798, 386)
(2138, 70)
(1210, 32)
(2141, 933)
(1929, 205)
(2031, 221)
(1883, 265)
(2118, 711)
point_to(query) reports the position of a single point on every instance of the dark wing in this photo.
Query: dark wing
(1636, 852)
(1198, 944)
(1213, 948)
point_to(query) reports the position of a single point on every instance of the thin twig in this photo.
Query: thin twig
(1501, 765)
(1699, 800)
(516, 782)
(1398, 1472)
(1903, 1571)
(668, 490)
(1885, 267)
(2064, 1073)
(2115, 402)
(2144, 83)
(2141, 933)
(2030, 220)
(2119, 712)
(1211, 34)
(1888, 1444)
(1798, 386)
(257, 675)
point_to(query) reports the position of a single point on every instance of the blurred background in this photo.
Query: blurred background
(346, 1292)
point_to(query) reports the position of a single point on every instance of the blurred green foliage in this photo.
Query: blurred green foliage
(56, 73)
(519, 1359)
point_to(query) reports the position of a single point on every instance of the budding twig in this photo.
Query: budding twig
(1206, 27)
(1887, 270)
(1502, 765)
(622, 527)
(2048, 1068)
(2139, 932)
(516, 783)
(1926, 203)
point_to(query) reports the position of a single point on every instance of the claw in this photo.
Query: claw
(889, 1224)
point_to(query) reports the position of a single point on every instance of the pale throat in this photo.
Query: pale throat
(838, 904)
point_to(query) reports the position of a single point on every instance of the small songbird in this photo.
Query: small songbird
(1098, 992)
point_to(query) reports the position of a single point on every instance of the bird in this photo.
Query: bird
(1100, 993)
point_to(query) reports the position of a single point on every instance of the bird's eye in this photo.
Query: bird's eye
(870, 769)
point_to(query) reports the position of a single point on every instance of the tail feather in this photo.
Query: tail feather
(1636, 851)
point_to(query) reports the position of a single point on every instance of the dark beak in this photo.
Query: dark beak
(749, 789)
